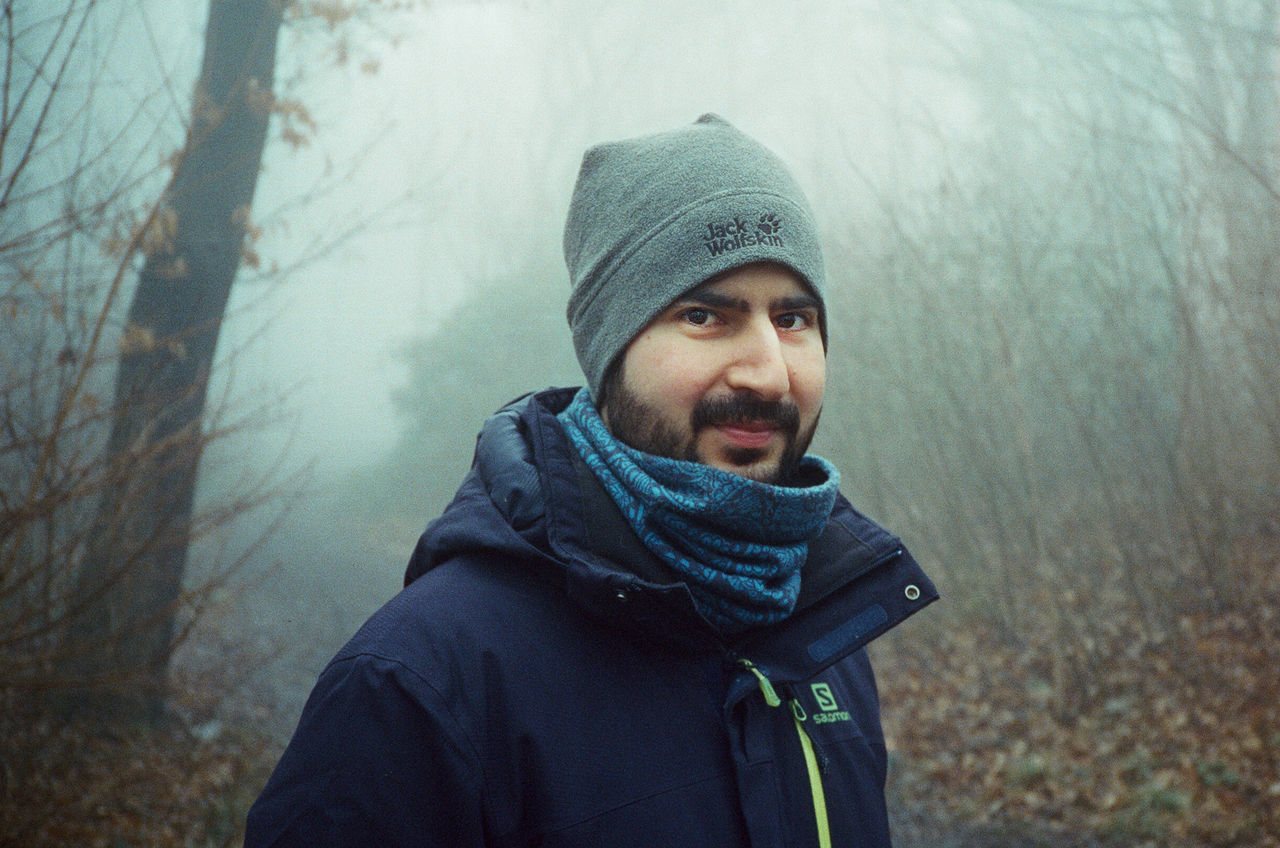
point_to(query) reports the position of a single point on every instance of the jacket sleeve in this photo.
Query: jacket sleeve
(376, 760)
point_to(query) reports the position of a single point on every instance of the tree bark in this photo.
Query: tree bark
(129, 587)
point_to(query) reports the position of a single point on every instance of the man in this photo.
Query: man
(641, 620)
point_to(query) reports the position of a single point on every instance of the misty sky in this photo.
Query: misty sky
(468, 137)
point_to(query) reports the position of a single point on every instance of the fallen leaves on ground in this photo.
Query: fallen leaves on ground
(1167, 741)
(92, 786)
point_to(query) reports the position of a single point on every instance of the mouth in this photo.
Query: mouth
(747, 434)
(745, 428)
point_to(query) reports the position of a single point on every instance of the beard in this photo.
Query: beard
(639, 425)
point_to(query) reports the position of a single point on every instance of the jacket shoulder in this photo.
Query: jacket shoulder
(392, 735)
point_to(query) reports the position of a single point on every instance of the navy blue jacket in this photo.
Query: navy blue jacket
(543, 680)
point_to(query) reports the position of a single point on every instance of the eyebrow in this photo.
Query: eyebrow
(718, 300)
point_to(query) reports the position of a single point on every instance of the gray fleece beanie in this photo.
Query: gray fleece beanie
(653, 217)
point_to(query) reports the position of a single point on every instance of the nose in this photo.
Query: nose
(759, 363)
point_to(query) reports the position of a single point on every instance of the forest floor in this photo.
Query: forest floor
(995, 742)
(1161, 754)
(1113, 738)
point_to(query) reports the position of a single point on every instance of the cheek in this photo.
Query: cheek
(665, 372)
(809, 382)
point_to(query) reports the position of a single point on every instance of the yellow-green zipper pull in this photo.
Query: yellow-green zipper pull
(770, 696)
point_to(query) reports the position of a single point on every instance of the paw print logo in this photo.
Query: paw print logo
(769, 224)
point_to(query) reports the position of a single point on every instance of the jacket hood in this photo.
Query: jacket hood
(500, 507)
(529, 496)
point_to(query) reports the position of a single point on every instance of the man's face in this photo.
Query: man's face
(730, 375)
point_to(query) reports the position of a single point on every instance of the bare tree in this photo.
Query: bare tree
(70, 183)
(112, 303)
(1084, 303)
(132, 575)
(1226, 275)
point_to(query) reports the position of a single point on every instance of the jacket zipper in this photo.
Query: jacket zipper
(798, 716)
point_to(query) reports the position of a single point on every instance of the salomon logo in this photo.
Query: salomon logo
(735, 233)
(827, 703)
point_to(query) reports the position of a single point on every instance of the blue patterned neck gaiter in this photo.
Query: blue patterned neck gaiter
(739, 544)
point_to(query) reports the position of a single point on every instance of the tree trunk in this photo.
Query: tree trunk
(130, 585)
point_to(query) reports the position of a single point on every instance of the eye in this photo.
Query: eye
(794, 321)
(698, 316)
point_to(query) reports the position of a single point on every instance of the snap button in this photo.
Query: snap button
(912, 592)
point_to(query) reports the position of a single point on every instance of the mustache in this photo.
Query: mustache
(742, 409)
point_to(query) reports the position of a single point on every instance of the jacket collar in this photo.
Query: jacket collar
(550, 507)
